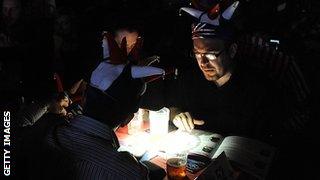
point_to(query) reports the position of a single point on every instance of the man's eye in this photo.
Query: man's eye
(210, 56)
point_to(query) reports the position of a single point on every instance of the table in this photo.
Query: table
(241, 159)
(124, 137)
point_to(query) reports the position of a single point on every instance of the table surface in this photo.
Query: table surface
(156, 147)
(122, 134)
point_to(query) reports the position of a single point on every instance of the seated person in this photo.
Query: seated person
(85, 147)
(221, 95)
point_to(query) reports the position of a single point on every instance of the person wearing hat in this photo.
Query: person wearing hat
(222, 95)
(85, 146)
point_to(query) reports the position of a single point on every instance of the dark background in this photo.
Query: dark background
(27, 66)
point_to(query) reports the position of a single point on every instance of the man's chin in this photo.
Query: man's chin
(211, 77)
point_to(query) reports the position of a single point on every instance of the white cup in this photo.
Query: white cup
(159, 121)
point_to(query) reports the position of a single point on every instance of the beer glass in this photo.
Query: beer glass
(176, 165)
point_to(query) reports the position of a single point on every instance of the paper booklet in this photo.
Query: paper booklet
(250, 156)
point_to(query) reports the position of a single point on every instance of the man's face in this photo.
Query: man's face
(212, 57)
(10, 11)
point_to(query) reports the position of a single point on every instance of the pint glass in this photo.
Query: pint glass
(176, 165)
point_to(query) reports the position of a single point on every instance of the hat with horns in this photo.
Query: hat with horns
(116, 59)
(214, 20)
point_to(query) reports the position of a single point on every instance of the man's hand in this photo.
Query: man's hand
(184, 121)
(58, 106)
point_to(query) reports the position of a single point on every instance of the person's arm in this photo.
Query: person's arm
(124, 169)
(136, 166)
(32, 113)
(170, 93)
(29, 115)
(176, 100)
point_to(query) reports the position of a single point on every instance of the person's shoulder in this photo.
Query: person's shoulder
(257, 75)
(255, 80)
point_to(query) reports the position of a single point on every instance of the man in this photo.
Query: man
(229, 97)
(85, 147)
(10, 14)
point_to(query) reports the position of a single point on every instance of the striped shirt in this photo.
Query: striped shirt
(86, 149)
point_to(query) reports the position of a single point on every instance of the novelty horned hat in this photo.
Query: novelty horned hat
(117, 54)
(213, 21)
(115, 59)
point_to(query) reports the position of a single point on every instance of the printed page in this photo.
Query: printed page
(200, 155)
(218, 169)
(252, 156)
(207, 143)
